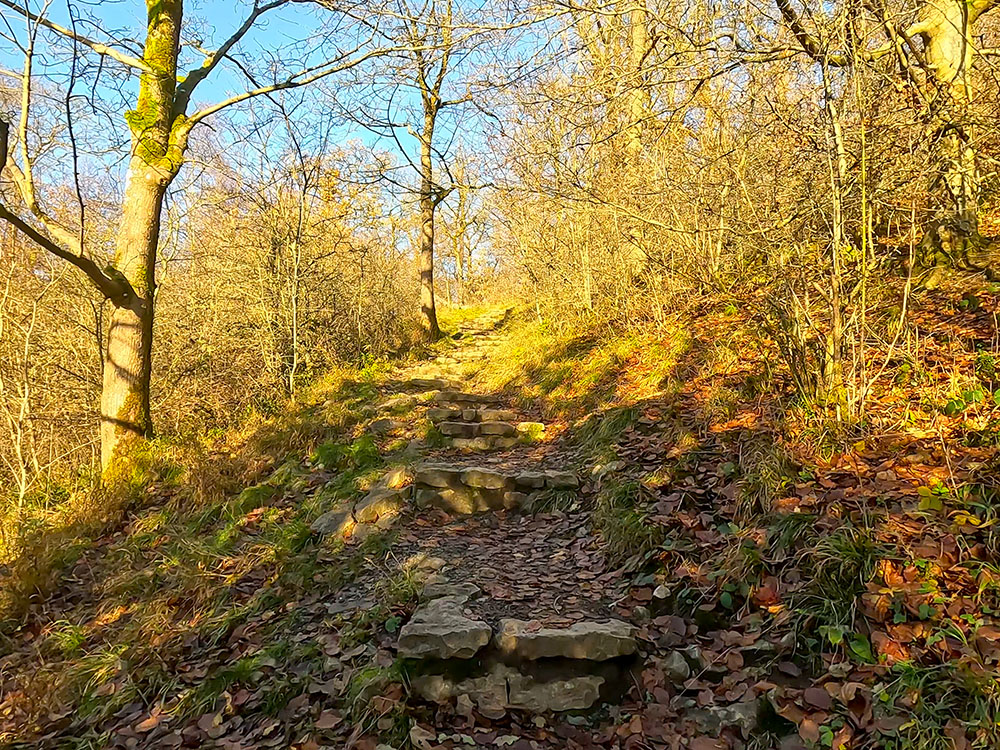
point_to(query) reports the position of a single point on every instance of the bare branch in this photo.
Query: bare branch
(186, 88)
(98, 47)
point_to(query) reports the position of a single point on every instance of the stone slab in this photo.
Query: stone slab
(594, 641)
(440, 629)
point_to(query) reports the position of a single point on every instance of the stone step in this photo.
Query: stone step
(470, 414)
(522, 666)
(457, 397)
(466, 490)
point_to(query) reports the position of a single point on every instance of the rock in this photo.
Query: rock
(514, 500)
(561, 480)
(422, 562)
(379, 503)
(713, 719)
(464, 591)
(497, 415)
(483, 479)
(333, 521)
(503, 429)
(456, 397)
(440, 630)
(470, 415)
(676, 667)
(504, 687)
(531, 429)
(595, 641)
(489, 689)
(473, 444)
(443, 415)
(438, 476)
(429, 384)
(461, 500)
(530, 479)
(459, 429)
(573, 694)
(502, 443)
(385, 426)
(396, 478)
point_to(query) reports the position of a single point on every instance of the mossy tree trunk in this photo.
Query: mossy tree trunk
(158, 142)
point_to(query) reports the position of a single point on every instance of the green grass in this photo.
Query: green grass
(622, 521)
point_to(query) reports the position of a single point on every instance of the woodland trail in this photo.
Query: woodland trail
(441, 580)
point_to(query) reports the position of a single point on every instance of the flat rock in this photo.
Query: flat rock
(385, 426)
(333, 521)
(440, 630)
(396, 478)
(533, 480)
(595, 641)
(483, 478)
(438, 476)
(457, 397)
(460, 500)
(379, 503)
(505, 687)
(497, 428)
(459, 429)
(561, 480)
(464, 590)
(497, 415)
(429, 384)
(573, 694)
(443, 415)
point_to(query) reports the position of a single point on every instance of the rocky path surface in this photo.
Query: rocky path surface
(523, 635)
(516, 607)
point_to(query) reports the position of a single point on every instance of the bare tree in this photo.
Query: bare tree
(160, 125)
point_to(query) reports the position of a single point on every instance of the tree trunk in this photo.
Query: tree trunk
(428, 207)
(125, 413)
(156, 158)
(952, 237)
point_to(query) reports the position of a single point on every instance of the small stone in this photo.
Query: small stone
(440, 630)
(676, 667)
(530, 479)
(532, 429)
(502, 443)
(438, 476)
(470, 415)
(641, 614)
(483, 479)
(661, 592)
(713, 719)
(561, 480)
(595, 641)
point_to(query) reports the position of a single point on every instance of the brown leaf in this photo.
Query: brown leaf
(149, 724)
(328, 720)
(818, 697)
(809, 730)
